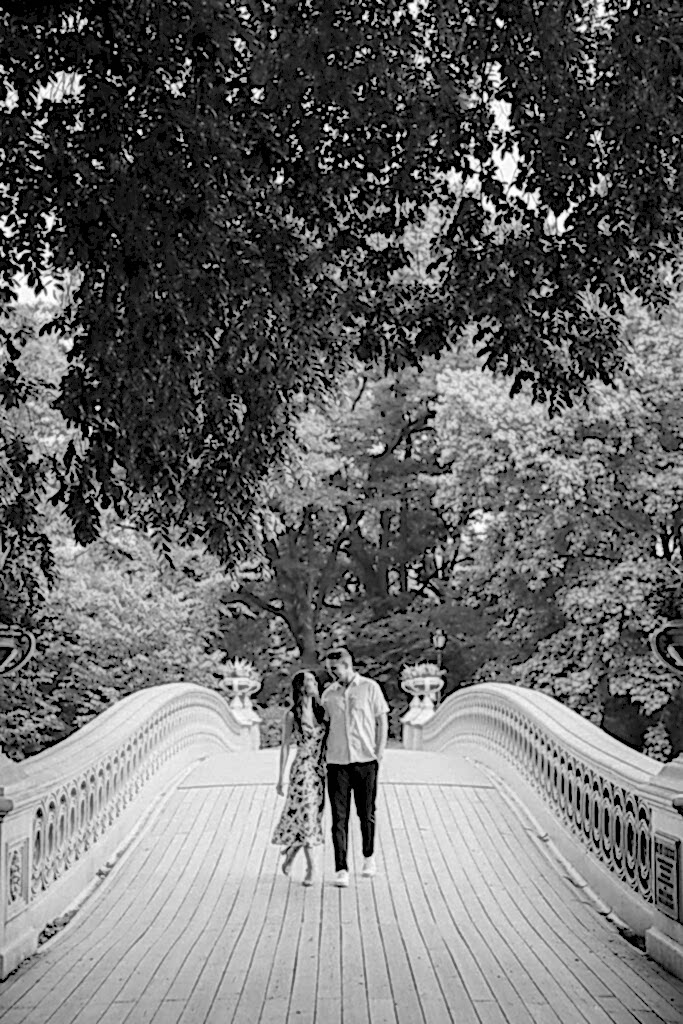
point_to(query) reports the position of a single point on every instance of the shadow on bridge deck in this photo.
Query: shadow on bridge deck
(468, 920)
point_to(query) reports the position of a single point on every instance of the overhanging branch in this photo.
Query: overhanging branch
(257, 603)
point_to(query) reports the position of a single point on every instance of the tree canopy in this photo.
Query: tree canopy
(548, 550)
(574, 533)
(233, 186)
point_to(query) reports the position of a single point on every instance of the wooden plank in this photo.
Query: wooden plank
(463, 922)
(15, 1014)
(489, 1012)
(518, 965)
(649, 1017)
(273, 914)
(505, 975)
(306, 924)
(354, 986)
(150, 933)
(153, 982)
(551, 957)
(577, 1000)
(441, 897)
(274, 1010)
(554, 935)
(592, 974)
(375, 969)
(403, 986)
(278, 991)
(434, 969)
(328, 989)
(427, 902)
(89, 971)
(115, 1014)
(169, 1012)
(80, 939)
(232, 912)
(599, 952)
(255, 894)
(176, 930)
(545, 1014)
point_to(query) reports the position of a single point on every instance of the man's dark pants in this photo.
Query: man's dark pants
(360, 779)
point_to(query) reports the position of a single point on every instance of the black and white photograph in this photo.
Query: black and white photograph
(341, 511)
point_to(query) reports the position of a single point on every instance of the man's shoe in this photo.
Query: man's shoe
(369, 867)
(342, 879)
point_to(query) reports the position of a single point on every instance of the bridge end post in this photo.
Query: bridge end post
(18, 939)
(248, 720)
(413, 722)
(423, 682)
(664, 938)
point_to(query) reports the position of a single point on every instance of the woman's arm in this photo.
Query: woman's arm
(284, 751)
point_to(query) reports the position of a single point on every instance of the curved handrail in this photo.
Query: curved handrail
(65, 811)
(103, 735)
(605, 793)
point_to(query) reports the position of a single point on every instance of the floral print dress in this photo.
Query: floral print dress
(301, 821)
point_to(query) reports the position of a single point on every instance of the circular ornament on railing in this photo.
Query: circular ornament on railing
(667, 644)
(644, 851)
(17, 647)
(606, 800)
(618, 817)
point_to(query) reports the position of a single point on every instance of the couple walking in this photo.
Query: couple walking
(342, 735)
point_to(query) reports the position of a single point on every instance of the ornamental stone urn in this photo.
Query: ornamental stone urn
(423, 682)
(241, 680)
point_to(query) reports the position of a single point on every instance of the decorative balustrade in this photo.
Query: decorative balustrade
(64, 812)
(612, 800)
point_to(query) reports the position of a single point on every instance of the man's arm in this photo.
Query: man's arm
(381, 733)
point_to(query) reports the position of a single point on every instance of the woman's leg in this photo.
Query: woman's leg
(289, 857)
(308, 880)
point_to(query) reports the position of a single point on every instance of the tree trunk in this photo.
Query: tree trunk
(403, 545)
(305, 637)
(384, 557)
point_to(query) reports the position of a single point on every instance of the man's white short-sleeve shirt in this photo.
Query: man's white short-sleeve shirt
(353, 713)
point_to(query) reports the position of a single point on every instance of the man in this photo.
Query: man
(355, 746)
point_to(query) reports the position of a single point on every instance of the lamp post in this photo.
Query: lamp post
(438, 642)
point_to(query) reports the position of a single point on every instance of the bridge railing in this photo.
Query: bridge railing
(610, 811)
(66, 812)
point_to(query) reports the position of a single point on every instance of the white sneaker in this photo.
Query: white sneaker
(369, 867)
(342, 879)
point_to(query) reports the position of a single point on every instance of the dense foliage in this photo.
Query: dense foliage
(234, 183)
(31, 435)
(279, 233)
(574, 530)
(547, 550)
(118, 618)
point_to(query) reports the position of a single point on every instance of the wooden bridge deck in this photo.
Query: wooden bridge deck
(467, 921)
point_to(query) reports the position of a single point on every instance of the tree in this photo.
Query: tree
(118, 618)
(235, 184)
(574, 532)
(350, 517)
(31, 436)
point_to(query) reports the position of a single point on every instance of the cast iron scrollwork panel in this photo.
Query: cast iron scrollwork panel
(614, 823)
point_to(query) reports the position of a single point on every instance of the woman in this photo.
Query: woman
(300, 824)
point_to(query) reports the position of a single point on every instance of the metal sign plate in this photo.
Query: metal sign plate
(667, 851)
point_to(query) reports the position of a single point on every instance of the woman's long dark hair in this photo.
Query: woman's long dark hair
(298, 683)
